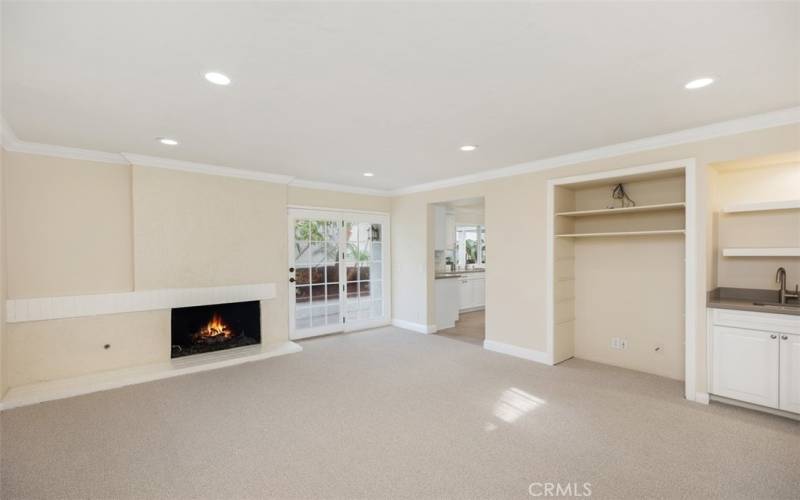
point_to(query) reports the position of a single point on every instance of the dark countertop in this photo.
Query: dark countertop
(742, 299)
(457, 274)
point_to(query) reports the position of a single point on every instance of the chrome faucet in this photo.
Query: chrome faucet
(783, 293)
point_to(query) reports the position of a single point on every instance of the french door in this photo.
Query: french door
(338, 272)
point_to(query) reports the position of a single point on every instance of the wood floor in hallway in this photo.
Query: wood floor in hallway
(470, 327)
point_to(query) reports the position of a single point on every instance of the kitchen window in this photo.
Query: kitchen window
(471, 245)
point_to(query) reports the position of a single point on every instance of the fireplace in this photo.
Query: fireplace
(202, 329)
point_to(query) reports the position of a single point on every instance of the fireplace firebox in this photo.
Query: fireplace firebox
(202, 329)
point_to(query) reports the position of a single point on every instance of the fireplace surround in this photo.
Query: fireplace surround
(202, 329)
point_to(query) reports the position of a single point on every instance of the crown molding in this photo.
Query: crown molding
(326, 186)
(204, 168)
(7, 135)
(65, 152)
(10, 142)
(731, 127)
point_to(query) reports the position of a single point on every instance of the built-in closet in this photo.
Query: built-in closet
(618, 263)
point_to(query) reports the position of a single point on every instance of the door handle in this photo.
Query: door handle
(773, 337)
(784, 337)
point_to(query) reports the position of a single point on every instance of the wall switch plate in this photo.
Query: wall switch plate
(619, 343)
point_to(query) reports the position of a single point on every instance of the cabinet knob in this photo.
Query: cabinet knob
(785, 337)
(773, 337)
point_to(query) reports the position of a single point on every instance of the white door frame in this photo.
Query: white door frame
(341, 215)
(693, 284)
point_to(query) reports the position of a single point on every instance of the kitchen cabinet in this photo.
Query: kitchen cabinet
(447, 302)
(444, 229)
(755, 358)
(472, 291)
(790, 373)
(449, 231)
(746, 365)
(440, 231)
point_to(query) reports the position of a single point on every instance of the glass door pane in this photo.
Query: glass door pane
(364, 261)
(314, 256)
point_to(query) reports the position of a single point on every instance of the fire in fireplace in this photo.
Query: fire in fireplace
(202, 329)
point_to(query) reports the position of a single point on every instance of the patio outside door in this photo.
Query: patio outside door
(337, 269)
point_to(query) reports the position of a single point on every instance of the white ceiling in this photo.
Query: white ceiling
(326, 91)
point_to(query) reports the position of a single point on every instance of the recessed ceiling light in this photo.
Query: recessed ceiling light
(699, 83)
(469, 147)
(167, 141)
(218, 78)
(368, 174)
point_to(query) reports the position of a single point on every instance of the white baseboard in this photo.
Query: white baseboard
(414, 327)
(66, 388)
(518, 352)
(702, 397)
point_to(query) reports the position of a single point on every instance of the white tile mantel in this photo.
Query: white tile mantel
(76, 306)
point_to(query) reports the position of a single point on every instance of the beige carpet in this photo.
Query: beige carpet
(389, 414)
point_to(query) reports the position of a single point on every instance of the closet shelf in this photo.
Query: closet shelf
(761, 252)
(762, 207)
(627, 210)
(623, 233)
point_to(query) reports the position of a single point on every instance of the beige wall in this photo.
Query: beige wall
(80, 227)
(69, 226)
(759, 229)
(46, 350)
(516, 226)
(318, 198)
(195, 230)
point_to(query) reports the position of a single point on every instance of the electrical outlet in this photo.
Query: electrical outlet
(619, 343)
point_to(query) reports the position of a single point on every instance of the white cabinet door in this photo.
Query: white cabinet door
(464, 293)
(746, 365)
(479, 292)
(440, 228)
(790, 372)
(449, 231)
(446, 303)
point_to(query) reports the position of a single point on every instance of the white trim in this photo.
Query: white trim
(761, 252)
(692, 281)
(86, 384)
(76, 306)
(313, 208)
(702, 397)
(204, 168)
(414, 327)
(762, 206)
(549, 270)
(519, 352)
(341, 216)
(65, 152)
(328, 186)
(7, 135)
(787, 116)
(731, 127)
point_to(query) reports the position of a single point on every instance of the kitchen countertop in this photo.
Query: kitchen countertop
(742, 299)
(458, 274)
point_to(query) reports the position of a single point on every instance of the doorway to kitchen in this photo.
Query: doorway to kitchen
(460, 261)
